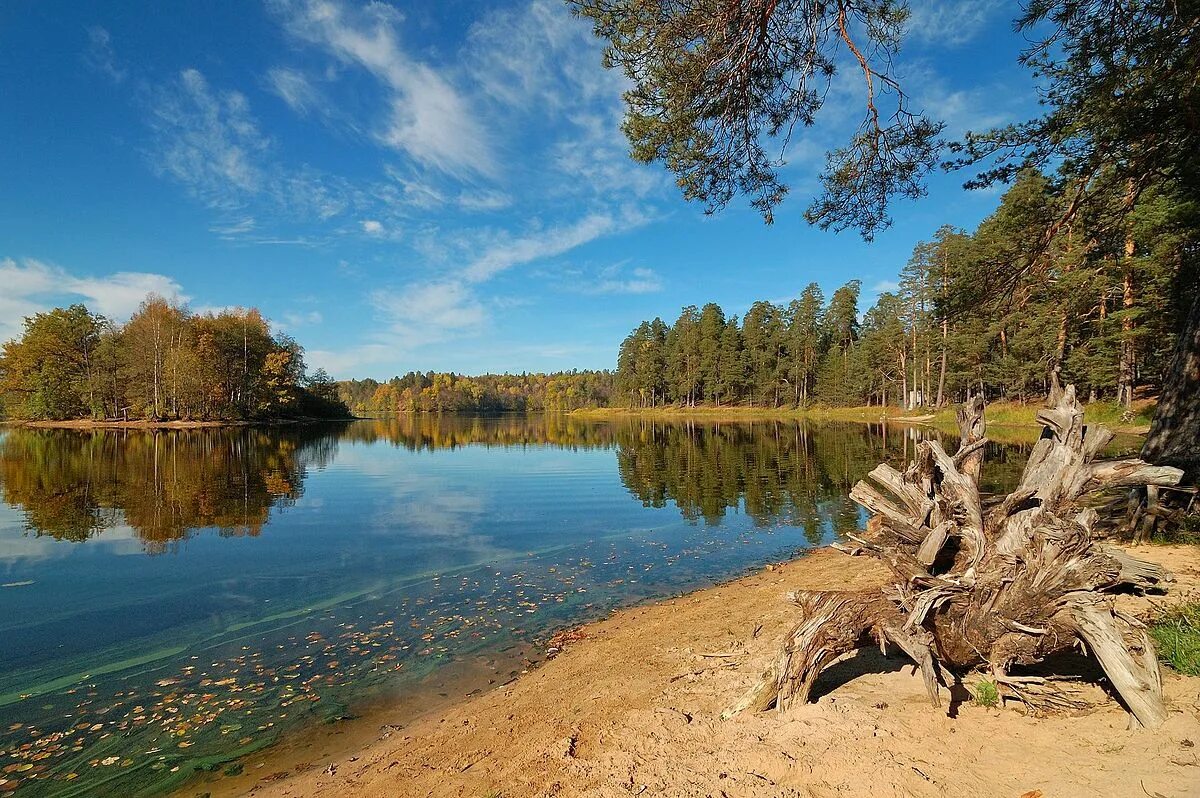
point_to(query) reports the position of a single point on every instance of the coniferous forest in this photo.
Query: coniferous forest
(165, 363)
(1101, 313)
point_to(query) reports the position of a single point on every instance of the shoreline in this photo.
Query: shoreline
(632, 705)
(998, 414)
(142, 424)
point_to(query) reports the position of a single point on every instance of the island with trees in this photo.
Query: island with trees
(164, 365)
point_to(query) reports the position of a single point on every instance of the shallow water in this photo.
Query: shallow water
(174, 600)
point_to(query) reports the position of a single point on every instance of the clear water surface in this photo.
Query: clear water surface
(172, 601)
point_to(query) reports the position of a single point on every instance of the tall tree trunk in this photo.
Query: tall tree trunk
(1060, 352)
(1125, 372)
(157, 364)
(941, 392)
(916, 371)
(1174, 437)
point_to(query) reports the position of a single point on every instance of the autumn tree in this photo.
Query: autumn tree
(49, 372)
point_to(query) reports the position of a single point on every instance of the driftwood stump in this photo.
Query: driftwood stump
(988, 584)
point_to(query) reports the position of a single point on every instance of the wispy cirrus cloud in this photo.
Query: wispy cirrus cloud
(294, 88)
(505, 251)
(951, 22)
(100, 56)
(209, 141)
(617, 279)
(493, 154)
(430, 311)
(406, 319)
(428, 117)
(32, 286)
(613, 279)
(293, 320)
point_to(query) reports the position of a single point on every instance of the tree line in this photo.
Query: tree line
(1101, 312)
(443, 391)
(165, 363)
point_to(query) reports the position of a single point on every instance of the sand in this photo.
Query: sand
(634, 708)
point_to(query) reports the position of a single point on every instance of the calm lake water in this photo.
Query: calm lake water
(173, 600)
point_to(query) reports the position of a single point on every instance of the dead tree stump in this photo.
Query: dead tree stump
(988, 585)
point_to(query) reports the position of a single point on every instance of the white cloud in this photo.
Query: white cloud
(208, 140)
(32, 286)
(351, 362)
(99, 55)
(294, 89)
(430, 311)
(884, 286)
(235, 227)
(118, 295)
(951, 22)
(484, 200)
(506, 251)
(614, 280)
(293, 320)
(541, 68)
(618, 278)
(372, 227)
(407, 318)
(538, 57)
(428, 118)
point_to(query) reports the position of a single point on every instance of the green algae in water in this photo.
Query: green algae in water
(302, 573)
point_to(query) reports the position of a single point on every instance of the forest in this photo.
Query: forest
(165, 363)
(1101, 312)
(488, 393)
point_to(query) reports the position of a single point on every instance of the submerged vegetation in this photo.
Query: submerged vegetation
(165, 363)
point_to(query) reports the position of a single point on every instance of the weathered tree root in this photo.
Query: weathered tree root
(988, 586)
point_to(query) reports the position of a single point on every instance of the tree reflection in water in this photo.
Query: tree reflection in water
(166, 485)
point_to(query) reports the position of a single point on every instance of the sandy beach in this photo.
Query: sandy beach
(633, 707)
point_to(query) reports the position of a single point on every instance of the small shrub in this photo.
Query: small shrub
(1176, 634)
(986, 694)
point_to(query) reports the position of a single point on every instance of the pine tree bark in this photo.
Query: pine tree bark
(1174, 437)
(1125, 373)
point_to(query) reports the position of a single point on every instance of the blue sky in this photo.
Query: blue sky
(413, 185)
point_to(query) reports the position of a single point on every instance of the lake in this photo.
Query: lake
(172, 601)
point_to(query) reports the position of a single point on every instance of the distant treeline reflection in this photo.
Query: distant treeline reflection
(166, 485)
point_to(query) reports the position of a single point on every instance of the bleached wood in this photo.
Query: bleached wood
(1025, 580)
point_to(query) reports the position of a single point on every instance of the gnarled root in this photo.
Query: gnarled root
(834, 623)
(1044, 695)
(1005, 582)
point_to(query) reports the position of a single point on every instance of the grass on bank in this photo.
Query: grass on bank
(1176, 634)
(986, 694)
(1018, 414)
